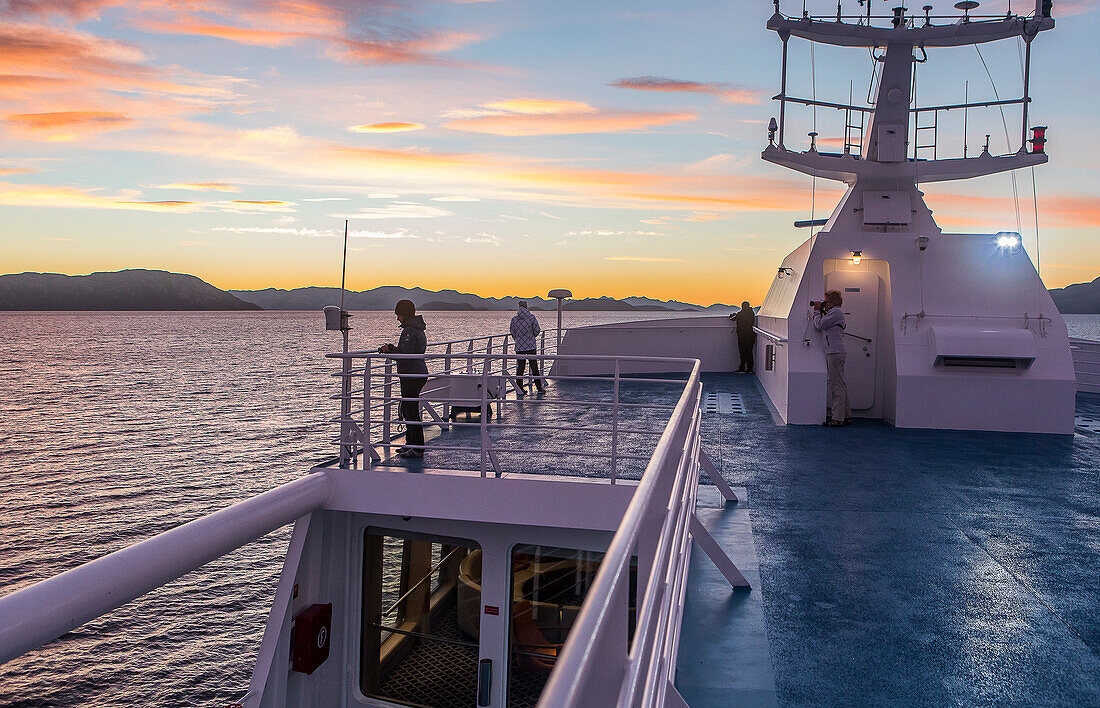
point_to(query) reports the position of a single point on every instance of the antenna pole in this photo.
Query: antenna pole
(1027, 97)
(343, 275)
(344, 267)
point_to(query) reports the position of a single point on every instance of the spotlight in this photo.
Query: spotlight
(1008, 240)
(857, 257)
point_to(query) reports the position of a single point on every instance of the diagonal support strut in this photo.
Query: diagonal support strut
(716, 554)
(716, 478)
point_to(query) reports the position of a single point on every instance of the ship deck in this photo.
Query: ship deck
(889, 566)
(897, 566)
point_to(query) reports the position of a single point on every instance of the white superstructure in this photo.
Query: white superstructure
(945, 330)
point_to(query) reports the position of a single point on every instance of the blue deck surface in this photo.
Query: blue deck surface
(897, 567)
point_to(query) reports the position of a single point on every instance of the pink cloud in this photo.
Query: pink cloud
(728, 93)
(567, 123)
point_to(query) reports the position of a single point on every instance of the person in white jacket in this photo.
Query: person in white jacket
(525, 329)
(828, 319)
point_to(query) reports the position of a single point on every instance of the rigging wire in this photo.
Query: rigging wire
(1034, 191)
(1008, 146)
(1035, 204)
(813, 178)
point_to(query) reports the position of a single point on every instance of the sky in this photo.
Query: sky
(502, 147)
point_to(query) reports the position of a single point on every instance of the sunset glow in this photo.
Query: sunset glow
(500, 147)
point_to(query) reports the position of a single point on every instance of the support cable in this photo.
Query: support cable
(813, 177)
(1008, 145)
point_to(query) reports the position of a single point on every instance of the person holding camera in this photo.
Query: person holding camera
(828, 319)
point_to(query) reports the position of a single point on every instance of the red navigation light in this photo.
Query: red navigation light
(1038, 139)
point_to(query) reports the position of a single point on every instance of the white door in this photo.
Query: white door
(860, 292)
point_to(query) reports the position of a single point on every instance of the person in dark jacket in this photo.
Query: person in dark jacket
(746, 336)
(525, 328)
(413, 374)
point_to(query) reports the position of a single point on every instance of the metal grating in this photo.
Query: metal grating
(1086, 423)
(723, 404)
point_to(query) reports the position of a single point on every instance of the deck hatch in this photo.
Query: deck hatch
(723, 404)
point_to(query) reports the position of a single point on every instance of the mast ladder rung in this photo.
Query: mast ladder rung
(934, 127)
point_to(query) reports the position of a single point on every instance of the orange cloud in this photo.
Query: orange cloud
(65, 125)
(644, 259)
(539, 106)
(386, 128)
(202, 186)
(44, 195)
(15, 170)
(240, 35)
(567, 123)
(1068, 210)
(728, 93)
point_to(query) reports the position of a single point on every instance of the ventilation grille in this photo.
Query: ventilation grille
(980, 362)
(723, 404)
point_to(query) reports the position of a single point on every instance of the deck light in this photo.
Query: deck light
(1008, 240)
(857, 257)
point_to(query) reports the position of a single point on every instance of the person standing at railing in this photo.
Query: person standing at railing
(412, 373)
(828, 319)
(525, 330)
(746, 336)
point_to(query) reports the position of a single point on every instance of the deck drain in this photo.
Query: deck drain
(1092, 425)
(723, 403)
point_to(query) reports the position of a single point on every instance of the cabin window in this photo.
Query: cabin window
(420, 619)
(548, 587)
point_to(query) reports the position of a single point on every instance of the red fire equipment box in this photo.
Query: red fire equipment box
(309, 638)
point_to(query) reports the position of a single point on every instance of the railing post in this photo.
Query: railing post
(615, 425)
(470, 359)
(387, 408)
(345, 411)
(484, 415)
(367, 445)
(447, 360)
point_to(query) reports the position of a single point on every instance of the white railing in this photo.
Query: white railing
(598, 665)
(1086, 364)
(485, 382)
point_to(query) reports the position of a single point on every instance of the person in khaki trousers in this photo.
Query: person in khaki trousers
(828, 319)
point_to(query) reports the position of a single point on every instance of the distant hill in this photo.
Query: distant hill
(384, 297)
(122, 290)
(1078, 299)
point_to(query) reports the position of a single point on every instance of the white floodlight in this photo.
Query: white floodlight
(1008, 240)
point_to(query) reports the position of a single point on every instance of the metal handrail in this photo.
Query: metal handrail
(359, 426)
(48, 609)
(769, 335)
(666, 490)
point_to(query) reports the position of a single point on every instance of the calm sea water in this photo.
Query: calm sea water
(117, 426)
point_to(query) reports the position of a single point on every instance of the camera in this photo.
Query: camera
(815, 304)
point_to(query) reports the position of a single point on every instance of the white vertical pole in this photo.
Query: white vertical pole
(615, 426)
(484, 414)
(559, 322)
(387, 409)
(367, 442)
